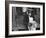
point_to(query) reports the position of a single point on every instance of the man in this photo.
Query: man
(26, 20)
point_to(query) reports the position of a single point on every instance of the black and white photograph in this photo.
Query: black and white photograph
(25, 19)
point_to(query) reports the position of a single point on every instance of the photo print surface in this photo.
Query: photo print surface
(25, 19)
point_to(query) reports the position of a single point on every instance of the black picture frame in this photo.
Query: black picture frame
(7, 18)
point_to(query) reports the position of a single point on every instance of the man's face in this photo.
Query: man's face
(24, 9)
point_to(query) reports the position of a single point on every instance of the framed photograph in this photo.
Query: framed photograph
(24, 18)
